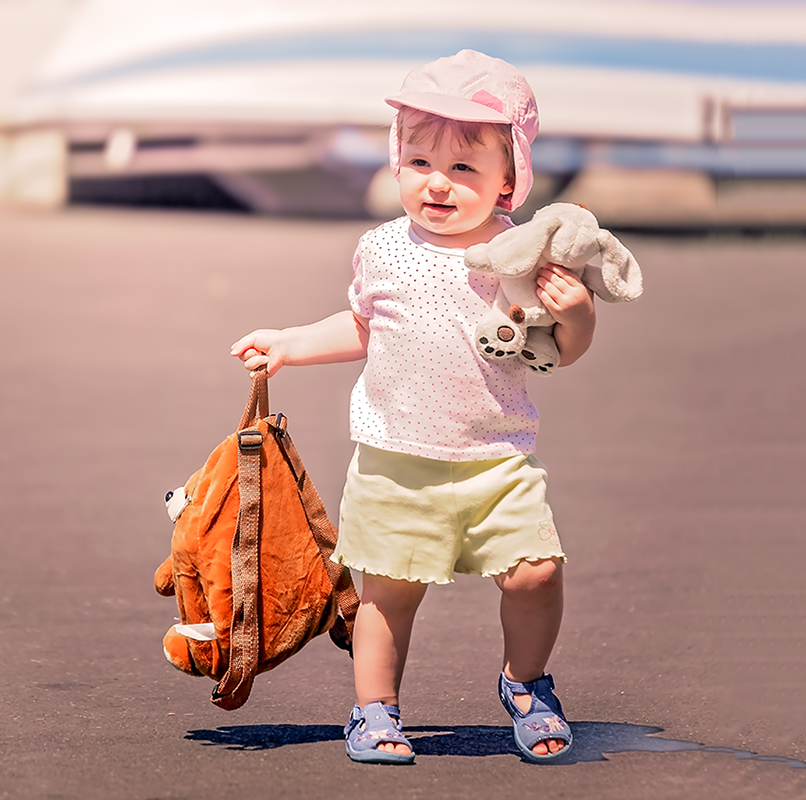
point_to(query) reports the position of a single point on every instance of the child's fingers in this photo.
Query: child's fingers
(247, 354)
(241, 345)
(547, 285)
(256, 360)
(549, 298)
(272, 363)
(544, 277)
(245, 343)
(562, 274)
(558, 282)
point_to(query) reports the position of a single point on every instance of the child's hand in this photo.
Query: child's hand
(571, 304)
(259, 348)
(568, 300)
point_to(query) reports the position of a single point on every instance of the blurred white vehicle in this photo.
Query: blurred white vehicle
(664, 113)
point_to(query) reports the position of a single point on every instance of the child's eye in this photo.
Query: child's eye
(419, 162)
(463, 168)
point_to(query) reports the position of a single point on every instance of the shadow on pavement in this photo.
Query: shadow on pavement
(266, 737)
(592, 740)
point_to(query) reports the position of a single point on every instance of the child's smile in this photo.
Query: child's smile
(439, 208)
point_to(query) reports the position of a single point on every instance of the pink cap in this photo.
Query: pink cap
(477, 88)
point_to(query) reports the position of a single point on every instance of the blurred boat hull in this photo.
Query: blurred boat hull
(673, 116)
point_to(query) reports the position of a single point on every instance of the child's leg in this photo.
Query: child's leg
(531, 612)
(381, 640)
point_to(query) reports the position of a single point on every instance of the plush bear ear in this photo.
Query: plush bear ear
(619, 278)
(164, 578)
(514, 252)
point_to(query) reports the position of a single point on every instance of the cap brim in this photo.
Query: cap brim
(450, 107)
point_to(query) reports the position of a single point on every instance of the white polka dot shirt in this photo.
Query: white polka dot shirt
(425, 390)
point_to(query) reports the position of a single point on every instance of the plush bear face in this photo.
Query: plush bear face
(175, 503)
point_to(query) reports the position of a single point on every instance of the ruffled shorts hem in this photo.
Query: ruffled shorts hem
(531, 559)
(373, 571)
(445, 581)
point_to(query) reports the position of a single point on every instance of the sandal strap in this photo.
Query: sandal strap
(545, 680)
(381, 723)
(545, 711)
(541, 690)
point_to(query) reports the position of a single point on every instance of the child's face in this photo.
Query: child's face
(449, 188)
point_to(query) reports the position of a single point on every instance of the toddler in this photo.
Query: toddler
(444, 477)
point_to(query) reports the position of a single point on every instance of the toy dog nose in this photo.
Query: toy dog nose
(168, 496)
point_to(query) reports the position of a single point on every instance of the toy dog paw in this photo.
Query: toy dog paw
(540, 351)
(500, 335)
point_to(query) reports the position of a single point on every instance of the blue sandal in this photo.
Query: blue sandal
(371, 725)
(544, 720)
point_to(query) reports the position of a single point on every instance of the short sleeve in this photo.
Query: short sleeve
(359, 303)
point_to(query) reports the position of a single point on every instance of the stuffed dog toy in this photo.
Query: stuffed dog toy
(518, 325)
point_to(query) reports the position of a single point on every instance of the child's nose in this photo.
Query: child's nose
(438, 181)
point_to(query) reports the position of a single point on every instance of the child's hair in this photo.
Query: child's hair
(423, 125)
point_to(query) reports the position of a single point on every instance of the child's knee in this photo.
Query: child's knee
(528, 579)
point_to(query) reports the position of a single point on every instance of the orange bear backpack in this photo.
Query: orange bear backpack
(250, 559)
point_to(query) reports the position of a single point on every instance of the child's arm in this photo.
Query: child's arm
(571, 304)
(341, 337)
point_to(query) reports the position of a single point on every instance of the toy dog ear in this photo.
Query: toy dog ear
(619, 278)
(514, 252)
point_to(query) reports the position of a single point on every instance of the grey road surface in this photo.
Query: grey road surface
(677, 456)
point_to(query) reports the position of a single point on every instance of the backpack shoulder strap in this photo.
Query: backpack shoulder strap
(233, 689)
(325, 535)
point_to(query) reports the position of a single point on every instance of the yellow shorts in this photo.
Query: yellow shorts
(418, 519)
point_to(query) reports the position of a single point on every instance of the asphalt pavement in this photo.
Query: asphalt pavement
(676, 452)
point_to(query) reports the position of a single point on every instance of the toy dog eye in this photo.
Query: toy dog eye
(168, 496)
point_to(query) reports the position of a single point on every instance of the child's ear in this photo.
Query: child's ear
(506, 191)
